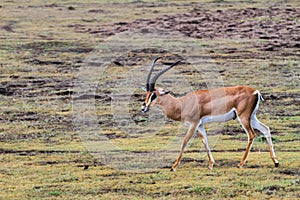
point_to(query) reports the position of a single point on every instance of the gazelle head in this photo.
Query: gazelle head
(152, 92)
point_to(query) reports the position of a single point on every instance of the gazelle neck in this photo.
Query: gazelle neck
(171, 106)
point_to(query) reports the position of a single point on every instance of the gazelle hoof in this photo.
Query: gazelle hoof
(172, 170)
(240, 166)
(277, 164)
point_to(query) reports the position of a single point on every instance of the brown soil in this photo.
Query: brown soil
(279, 26)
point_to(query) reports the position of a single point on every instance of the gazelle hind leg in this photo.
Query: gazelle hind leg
(251, 135)
(202, 135)
(255, 123)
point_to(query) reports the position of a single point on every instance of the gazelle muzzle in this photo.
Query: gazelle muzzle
(149, 99)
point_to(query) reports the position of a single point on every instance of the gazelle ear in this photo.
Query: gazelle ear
(144, 88)
(163, 92)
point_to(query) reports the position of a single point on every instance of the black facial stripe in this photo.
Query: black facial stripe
(152, 97)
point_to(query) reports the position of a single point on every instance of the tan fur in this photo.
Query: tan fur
(192, 107)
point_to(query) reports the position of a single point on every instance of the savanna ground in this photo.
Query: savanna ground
(55, 119)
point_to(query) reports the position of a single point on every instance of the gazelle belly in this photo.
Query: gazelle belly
(219, 118)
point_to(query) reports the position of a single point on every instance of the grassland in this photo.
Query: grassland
(69, 92)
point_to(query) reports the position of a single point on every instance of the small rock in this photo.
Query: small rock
(71, 8)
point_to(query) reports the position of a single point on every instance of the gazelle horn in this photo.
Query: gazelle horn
(153, 80)
(149, 74)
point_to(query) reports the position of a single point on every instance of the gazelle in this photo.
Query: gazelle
(204, 106)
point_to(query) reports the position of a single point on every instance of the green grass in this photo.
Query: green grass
(44, 154)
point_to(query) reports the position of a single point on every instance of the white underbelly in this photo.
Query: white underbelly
(219, 118)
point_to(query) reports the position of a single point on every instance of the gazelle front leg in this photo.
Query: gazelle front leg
(202, 135)
(185, 140)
